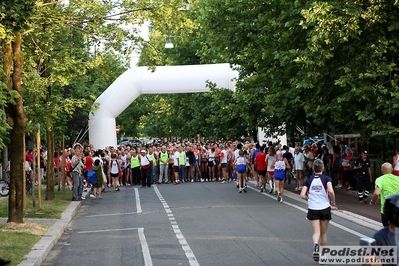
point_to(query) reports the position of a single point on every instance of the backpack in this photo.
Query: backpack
(92, 177)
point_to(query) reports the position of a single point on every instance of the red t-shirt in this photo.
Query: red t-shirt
(260, 161)
(347, 158)
(89, 163)
(29, 157)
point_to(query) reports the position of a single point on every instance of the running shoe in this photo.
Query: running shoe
(206, 180)
(274, 192)
(338, 186)
(261, 190)
(245, 189)
(239, 190)
(202, 180)
(279, 197)
(316, 254)
(271, 190)
(223, 182)
(323, 259)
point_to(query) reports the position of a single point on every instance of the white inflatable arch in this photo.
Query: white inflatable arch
(136, 81)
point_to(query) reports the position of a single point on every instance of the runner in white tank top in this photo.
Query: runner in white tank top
(319, 193)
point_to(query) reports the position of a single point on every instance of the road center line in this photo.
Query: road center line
(138, 204)
(179, 235)
(107, 230)
(111, 214)
(305, 211)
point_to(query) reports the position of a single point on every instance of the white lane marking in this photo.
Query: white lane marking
(143, 241)
(179, 235)
(106, 230)
(111, 214)
(305, 211)
(138, 204)
(146, 250)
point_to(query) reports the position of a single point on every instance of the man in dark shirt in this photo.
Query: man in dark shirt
(364, 177)
(288, 168)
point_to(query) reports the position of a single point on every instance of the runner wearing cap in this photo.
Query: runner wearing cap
(146, 169)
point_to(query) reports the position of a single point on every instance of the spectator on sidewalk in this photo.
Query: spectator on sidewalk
(299, 167)
(396, 162)
(77, 173)
(309, 157)
(385, 185)
(364, 177)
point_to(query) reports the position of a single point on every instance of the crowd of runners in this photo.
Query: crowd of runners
(175, 163)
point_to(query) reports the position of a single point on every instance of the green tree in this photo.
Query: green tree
(352, 54)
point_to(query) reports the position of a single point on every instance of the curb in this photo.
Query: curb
(42, 248)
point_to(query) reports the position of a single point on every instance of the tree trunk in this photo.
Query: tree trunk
(254, 134)
(50, 163)
(17, 120)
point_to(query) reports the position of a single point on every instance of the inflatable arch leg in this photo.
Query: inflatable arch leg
(136, 81)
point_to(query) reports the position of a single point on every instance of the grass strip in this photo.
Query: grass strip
(50, 209)
(17, 240)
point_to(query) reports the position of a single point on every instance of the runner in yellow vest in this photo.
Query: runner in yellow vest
(182, 162)
(135, 165)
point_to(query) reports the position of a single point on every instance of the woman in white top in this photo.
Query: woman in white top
(211, 164)
(319, 193)
(299, 167)
(280, 164)
(270, 168)
(223, 164)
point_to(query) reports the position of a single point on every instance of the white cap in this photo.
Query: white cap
(143, 151)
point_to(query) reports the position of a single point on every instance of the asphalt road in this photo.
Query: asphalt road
(194, 224)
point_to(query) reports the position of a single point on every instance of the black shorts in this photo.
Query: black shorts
(170, 166)
(176, 169)
(324, 214)
(211, 164)
(224, 165)
(114, 175)
(262, 173)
